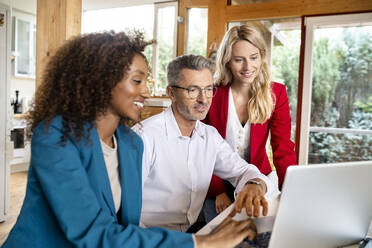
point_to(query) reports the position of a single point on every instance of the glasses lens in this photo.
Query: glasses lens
(209, 92)
(193, 92)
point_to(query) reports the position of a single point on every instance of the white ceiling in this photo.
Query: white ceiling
(23, 5)
(104, 4)
(30, 5)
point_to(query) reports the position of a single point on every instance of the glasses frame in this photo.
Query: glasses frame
(188, 89)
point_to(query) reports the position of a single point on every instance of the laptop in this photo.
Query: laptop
(327, 205)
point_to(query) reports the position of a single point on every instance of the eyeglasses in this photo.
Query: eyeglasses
(195, 91)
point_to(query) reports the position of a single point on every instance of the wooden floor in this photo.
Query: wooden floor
(17, 193)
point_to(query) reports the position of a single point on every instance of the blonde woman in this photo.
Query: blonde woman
(247, 106)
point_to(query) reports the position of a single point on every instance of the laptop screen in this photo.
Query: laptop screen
(324, 205)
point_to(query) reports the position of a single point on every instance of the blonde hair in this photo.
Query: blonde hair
(261, 99)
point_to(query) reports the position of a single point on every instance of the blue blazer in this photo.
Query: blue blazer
(68, 200)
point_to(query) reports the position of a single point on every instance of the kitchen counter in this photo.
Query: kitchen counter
(158, 102)
(155, 105)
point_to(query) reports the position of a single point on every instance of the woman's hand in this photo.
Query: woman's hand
(228, 234)
(222, 202)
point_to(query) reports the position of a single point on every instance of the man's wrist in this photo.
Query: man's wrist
(257, 182)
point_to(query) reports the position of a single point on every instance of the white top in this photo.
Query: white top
(112, 164)
(177, 170)
(237, 136)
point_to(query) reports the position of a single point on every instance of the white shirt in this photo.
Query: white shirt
(110, 156)
(237, 136)
(177, 170)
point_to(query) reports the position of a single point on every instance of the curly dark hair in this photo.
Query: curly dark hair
(79, 78)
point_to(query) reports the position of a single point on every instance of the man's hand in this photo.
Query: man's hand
(228, 234)
(252, 196)
(222, 202)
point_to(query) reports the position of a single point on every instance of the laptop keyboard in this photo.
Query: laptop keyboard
(260, 241)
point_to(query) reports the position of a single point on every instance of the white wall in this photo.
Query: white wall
(23, 5)
(26, 86)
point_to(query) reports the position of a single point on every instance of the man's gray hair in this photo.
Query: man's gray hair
(193, 62)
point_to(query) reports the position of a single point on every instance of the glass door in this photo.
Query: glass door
(337, 96)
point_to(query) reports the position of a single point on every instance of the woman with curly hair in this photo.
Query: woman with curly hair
(247, 107)
(84, 181)
(84, 184)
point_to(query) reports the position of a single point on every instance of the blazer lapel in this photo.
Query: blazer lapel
(102, 174)
(130, 163)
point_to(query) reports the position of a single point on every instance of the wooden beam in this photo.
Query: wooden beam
(217, 23)
(73, 17)
(181, 36)
(57, 21)
(195, 3)
(295, 8)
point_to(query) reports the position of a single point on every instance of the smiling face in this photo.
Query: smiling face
(129, 94)
(245, 62)
(185, 108)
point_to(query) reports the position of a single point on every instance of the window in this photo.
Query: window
(163, 29)
(24, 44)
(285, 57)
(165, 33)
(337, 112)
(197, 30)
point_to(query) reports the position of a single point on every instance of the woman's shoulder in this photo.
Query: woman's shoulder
(49, 127)
(278, 88)
(48, 132)
(223, 87)
(53, 130)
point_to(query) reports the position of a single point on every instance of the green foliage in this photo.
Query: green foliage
(351, 109)
(165, 55)
(197, 46)
(365, 107)
(341, 93)
(355, 72)
(327, 148)
(359, 147)
(321, 144)
(325, 77)
(285, 67)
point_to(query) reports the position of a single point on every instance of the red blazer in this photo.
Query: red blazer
(279, 124)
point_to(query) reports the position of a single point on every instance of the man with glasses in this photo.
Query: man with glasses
(181, 154)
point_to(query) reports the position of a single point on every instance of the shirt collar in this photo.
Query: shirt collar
(199, 129)
(172, 129)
